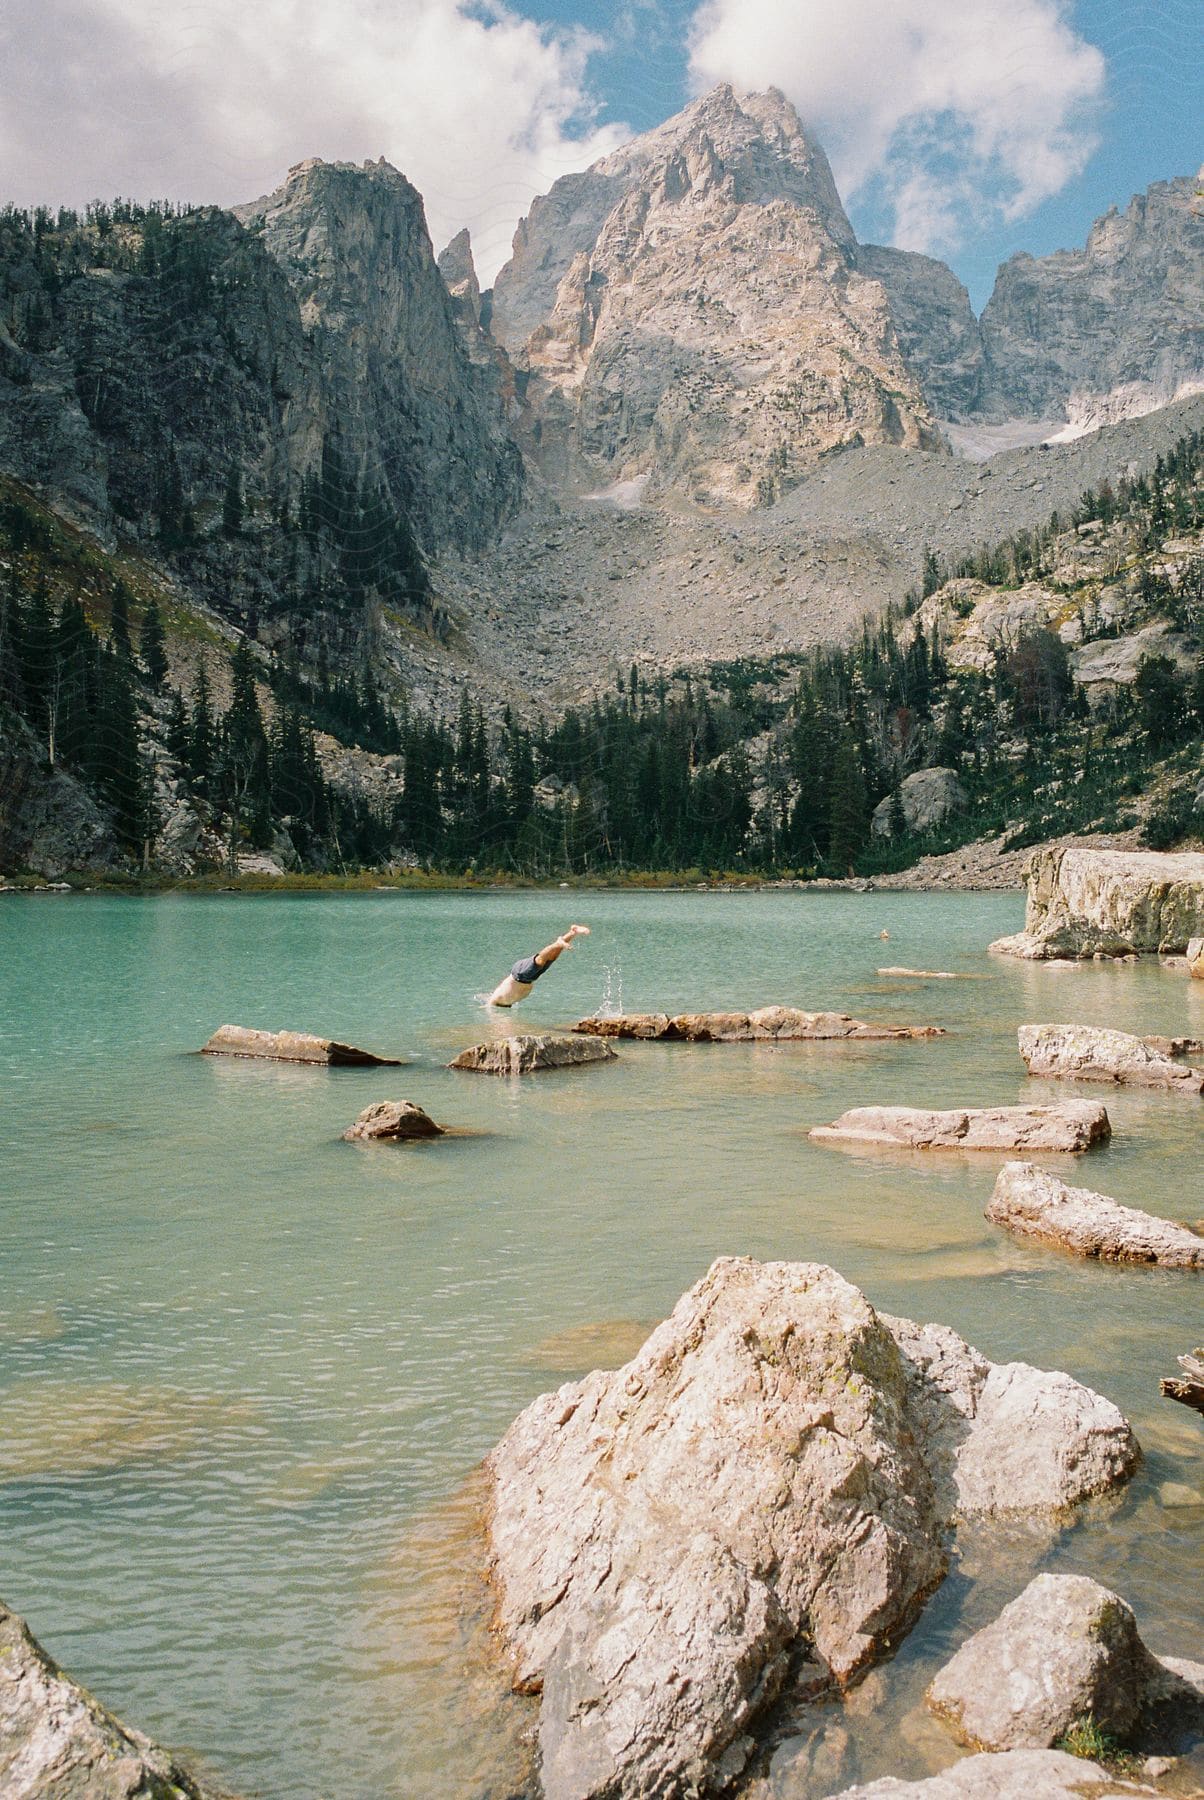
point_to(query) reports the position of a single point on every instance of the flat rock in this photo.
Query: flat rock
(525, 1055)
(1066, 1649)
(925, 974)
(1073, 1125)
(292, 1046)
(1015, 1775)
(1097, 1053)
(762, 1495)
(766, 1023)
(58, 1743)
(399, 1119)
(1033, 1203)
(1109, 903)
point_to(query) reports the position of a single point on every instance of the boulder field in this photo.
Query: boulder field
(1074, 1125)
(759, 1500)
(1109, 903)
(1033, 1203)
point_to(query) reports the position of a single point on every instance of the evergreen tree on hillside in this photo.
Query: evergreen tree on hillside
(152, 646)
(847, 806)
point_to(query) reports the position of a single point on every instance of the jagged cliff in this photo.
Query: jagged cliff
(1106, 332)
(710, 327)
(149, 360)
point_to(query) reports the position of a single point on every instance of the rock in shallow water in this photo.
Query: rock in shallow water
(767, 1023)
(1074, 1125)
(393, 1119)
(292, 1046)
(1097, 1053)
(1033, 1203)
(1109, 903)
(1016, 1775)
(1065, 1650)
(524, 1055)
(58, 1743)
(761, 1496)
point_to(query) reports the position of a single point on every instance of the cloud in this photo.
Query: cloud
(949, 111)
(214, 100)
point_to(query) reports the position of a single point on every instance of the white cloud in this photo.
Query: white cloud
(214, 100)
(950, 109)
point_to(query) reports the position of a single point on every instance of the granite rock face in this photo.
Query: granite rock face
(1066, 1649)
(1097, 334)
(928, 797)
(530, 1052)
(1109, 903)
(58, 1743)
(391, 374)
(393, 1119)
(766, 1024)
(710, 326)
(935, 325)
(1096, 1053)
(775, 1471)
(291, 1046)
(1074, 1125)
(1033, 1203)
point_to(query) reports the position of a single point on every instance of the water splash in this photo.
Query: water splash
(611, 1003)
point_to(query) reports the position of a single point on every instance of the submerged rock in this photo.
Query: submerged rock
(1073, 1125)
(1097, 1053)
(1033, 1203)
(1065, 1650)
(761, 1496)
(1016, 1775)
(1109, 903)
(766, 1023)
(292, 1046)
(398, 1119)
(526, 1054)
(58, 1743)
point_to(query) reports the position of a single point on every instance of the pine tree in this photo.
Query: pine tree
(152, 646)
(847, 816)
(201, 735)
(119, 622)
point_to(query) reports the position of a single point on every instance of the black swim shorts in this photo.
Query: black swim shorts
(527, 970)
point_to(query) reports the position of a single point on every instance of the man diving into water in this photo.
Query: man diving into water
(526, 972)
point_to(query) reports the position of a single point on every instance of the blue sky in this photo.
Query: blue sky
(968, 128)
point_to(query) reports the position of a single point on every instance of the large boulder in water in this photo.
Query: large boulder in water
(1109, 903)
(1034, 1203)
(1097, 1053)
(58, 1743)
(1074, 1125)
(1065, 1650)
(762, 1496)
(526, 1054)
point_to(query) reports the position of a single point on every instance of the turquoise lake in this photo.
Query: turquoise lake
(247, 1370)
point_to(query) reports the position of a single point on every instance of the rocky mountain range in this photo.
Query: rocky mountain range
(693, 416)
